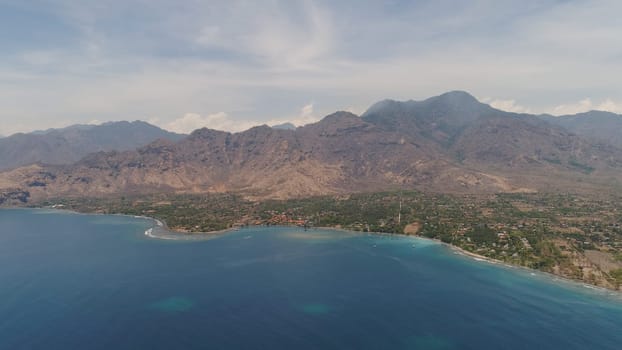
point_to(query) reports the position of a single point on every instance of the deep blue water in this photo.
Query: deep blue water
(72, 281)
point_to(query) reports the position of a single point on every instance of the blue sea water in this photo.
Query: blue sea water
(70, 281)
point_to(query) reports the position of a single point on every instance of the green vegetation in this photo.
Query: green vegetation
(583, 167)
(552, 160)
(617, 276)
(548, 232)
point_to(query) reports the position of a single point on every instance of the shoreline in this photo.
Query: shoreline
(480, 258)
(161, 231)
(159, 225)
(550, 276)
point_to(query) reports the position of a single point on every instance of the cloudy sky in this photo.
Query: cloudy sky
(233, 64)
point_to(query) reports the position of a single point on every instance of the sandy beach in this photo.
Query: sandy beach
(161, 231)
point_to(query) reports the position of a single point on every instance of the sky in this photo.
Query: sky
(231, 64)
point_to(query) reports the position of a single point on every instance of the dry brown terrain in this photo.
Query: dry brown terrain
(450, 144)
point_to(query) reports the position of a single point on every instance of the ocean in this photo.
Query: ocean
(72, 281)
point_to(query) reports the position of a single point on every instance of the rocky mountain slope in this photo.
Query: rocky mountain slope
(475, 134)
(595, 125)
(448, 143)
(68, 145)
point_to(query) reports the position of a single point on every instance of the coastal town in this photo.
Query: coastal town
(571, 236)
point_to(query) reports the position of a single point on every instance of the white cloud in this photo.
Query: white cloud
(506, 105)
(241, 57)
(219, 121)
(306, 116)
(306, 110)
(610, 106)
(586, 105)
(222, 121)
(573, 108)
(280, 37)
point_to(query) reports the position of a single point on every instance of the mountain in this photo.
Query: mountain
(596, 125)
(448, 143)
(68, 145)
(441, 115)
(284, 126)
(474, 133)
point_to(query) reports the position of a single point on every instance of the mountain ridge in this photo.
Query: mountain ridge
(70, 144)
(447, 143)
(596, 125)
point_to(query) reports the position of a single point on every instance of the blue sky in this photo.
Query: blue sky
(233, 64)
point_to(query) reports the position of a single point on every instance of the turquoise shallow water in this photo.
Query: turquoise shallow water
(71, 281)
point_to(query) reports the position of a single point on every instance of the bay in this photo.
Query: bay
(72, 281)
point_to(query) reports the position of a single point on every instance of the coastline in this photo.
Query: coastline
(160, 230)
(480, 258)
(457, 250)
(550, 276)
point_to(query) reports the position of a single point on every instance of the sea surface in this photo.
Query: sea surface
(70, 281)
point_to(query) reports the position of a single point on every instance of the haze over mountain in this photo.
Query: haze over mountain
(70, 144)
(597, 125)
(447, 143)
(284, 126)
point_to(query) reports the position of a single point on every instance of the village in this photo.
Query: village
(572, 236)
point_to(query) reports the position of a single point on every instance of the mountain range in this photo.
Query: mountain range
(595, 125)
(447, 143)
(68, 145)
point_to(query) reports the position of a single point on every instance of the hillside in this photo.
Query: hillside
(448, 143)
(595, 125)
(68, 145)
